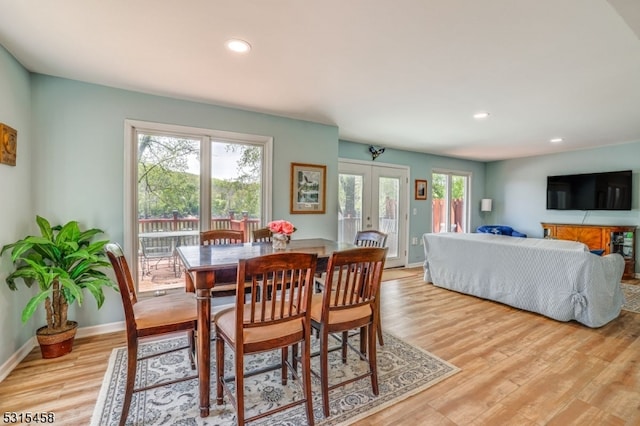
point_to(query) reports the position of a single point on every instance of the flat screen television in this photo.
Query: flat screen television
(590, 191)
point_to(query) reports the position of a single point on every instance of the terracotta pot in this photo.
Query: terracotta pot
(55, 345)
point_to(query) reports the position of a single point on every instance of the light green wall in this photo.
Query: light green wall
(16, 202)
(518, 187)
(420, 167)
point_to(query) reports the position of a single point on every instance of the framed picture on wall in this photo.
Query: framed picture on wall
(8, 145)
(421, 189)
(308, 188)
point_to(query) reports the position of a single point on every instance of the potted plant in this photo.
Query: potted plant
(63, 261)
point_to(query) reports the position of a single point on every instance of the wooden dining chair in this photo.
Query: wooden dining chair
(349, 301)
(219, 237)
(262, 235)
(279, 318)
(150, 317)
(372, 238)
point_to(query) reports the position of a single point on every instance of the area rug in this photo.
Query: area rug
(631, 297)
(403, 371)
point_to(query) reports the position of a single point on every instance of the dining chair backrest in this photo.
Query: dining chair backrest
(371, 238)
(354, 278)
(262, 235)
(221, 236)
(281, 289)
(125, 280)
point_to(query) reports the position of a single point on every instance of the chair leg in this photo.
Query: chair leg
(324, 371)
(345, 337)
(192, 349)
(219, 369)
(240, 387)
(306, 378)
(294, 356)
(132, 362)
(379, 326)
(284, 353)
(373, 363)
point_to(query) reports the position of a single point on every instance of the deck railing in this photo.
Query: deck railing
(176, 223)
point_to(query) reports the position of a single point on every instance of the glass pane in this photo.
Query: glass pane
(236, 187)
(458, 204)
(349, 206)
(168, 206)
(439, 191)
(388, 195)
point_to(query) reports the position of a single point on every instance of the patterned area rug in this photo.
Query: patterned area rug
(631, 297)
(403, 370)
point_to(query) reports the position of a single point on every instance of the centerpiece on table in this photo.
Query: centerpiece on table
(282, 230)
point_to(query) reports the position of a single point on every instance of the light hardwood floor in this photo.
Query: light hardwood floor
(518, 368)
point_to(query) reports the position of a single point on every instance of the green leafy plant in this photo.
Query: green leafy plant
(63, 261)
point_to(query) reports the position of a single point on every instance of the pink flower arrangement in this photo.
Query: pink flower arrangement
(281, 227)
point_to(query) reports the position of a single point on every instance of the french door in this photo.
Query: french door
(374, 197)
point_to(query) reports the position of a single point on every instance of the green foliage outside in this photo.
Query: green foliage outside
(165, 184)
(439, 187)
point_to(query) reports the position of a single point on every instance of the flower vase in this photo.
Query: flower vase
(279, 241)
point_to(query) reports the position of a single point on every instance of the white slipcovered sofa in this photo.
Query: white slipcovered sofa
(559, 279)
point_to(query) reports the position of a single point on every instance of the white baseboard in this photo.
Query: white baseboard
(414, 265)
(7, 367)
(100, 329)
(17, 356)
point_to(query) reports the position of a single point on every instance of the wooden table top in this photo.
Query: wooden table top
(213, 257)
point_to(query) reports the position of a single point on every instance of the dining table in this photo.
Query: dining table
(207, 264)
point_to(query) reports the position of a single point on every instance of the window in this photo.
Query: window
(182, 180)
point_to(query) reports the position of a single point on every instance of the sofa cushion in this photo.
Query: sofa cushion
(500, 230)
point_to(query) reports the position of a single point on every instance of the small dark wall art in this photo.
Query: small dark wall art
(421, 189)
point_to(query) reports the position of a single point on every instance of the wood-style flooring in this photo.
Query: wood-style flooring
(518, 368)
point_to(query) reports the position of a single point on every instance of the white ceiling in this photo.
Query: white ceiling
(407, 74)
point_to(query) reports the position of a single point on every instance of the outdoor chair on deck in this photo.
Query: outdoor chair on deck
(279, 318)
(348, 301)
(155, 250)
(150, 317)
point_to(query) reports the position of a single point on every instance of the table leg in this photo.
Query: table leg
(203, 297)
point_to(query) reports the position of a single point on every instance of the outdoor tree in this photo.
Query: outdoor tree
(163, 182)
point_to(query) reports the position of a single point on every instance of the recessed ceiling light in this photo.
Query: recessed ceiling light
(556, 140)
(480, 115)
(237, 45)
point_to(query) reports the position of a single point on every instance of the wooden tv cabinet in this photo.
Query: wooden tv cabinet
(611, 239)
